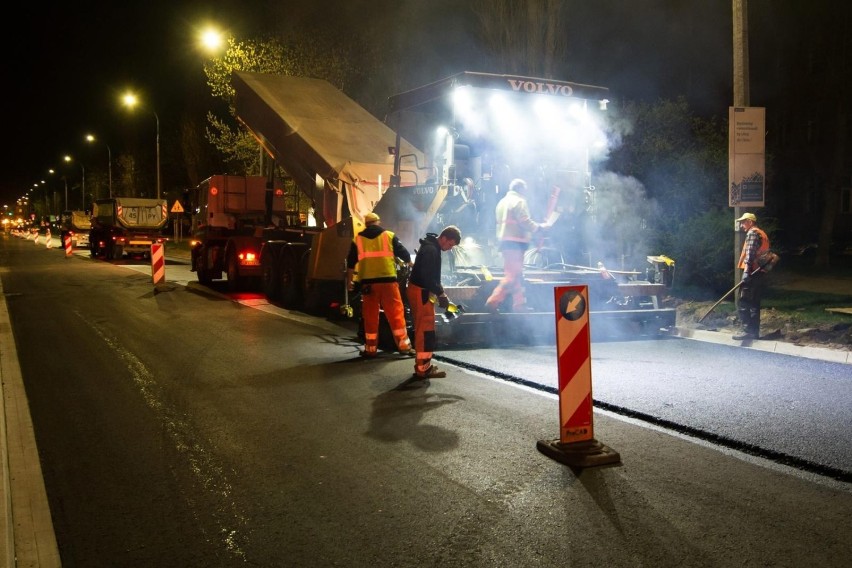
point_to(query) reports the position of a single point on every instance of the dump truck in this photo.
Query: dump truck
(337, 160)
(75, 224)
(126, 225)
(229, 227)
(348, 163)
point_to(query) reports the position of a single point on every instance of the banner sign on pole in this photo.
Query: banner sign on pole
(746, 156)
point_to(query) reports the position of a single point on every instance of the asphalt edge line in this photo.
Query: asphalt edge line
(30, 536)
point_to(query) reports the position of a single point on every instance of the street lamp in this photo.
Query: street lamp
(130, 100)
(91, 138)
(83, 185)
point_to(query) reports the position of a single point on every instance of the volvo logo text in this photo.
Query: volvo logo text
(546, 88)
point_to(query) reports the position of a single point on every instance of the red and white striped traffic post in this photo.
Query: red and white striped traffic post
(48, 239)
(67, 244)
(158, 264)
(576, 445)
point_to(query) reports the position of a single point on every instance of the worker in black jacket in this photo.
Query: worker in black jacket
(424, 289)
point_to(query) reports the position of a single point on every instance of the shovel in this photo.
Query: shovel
(729, 292)
(713, 307)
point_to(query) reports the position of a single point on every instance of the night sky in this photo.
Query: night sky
(65, 65)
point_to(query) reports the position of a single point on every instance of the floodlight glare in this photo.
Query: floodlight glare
(462, 98)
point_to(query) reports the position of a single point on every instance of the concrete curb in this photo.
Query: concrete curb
(29, 538)
(780, 347)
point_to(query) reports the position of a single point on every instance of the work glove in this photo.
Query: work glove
(443, 301)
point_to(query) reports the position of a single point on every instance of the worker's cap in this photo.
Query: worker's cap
(747, 217)
(370, 218)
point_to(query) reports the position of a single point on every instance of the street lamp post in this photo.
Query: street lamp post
(82, 184)
(130, 100)
(158, 153)
(91, 138)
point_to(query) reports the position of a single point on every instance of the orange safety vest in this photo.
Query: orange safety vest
(764, 246)
(375, 257)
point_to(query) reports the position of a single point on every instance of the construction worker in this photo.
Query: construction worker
(753, 277)
(424, 288)
(514, 232)
(373, 252)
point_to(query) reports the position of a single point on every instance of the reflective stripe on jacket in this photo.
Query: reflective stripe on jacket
(375, 256)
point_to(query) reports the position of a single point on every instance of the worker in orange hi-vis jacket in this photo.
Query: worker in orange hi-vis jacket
(514, 232)
(373, 256)
(753, 277)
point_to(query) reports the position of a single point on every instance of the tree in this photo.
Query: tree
(302, 54)
(810, 95)
(681, 160)
(526, 36)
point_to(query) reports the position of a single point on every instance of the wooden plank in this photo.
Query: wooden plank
(847, 311)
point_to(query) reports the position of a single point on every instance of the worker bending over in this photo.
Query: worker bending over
(424, 288)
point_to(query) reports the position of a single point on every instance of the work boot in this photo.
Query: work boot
(743, 335)
(432, 373)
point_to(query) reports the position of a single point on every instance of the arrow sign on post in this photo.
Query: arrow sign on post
(576, 445)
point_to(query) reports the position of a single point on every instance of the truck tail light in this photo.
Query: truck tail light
(248, 256)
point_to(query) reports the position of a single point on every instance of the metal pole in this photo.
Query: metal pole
(109, 167)
(83, 190)
(65, 179)
(158, 154)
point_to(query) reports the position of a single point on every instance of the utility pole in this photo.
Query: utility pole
(741, 94)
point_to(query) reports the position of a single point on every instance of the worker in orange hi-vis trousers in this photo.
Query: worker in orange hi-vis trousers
(424, 288)
(514, 232)
(373, 253)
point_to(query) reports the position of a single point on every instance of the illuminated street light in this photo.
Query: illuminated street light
(211, 39)
(91, 138)
(69, 159)
(130, 100)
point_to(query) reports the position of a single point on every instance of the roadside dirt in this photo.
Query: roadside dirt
(774, 325)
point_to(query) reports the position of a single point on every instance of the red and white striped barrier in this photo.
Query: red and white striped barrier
(67, 244)
(158, 264)
(576, 445)
(48, 240)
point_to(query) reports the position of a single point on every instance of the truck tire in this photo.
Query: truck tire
(117, 252)
(271, 278)
(235, 283)
(290, 279)
(201, 269)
